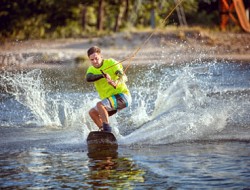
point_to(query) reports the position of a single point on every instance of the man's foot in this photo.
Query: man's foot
(106, 127)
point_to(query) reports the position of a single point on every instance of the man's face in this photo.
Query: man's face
(96, 59)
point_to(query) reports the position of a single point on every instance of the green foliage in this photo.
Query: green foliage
(28, 19)
(34, 19)
(82, 59)
(206, 20)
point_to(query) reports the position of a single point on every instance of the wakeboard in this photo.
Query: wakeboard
(101, 141)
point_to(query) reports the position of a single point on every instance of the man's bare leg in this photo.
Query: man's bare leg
(96, 117)
(103, 113)
(104, 117)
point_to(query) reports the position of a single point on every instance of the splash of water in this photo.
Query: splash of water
(169, 105)
(28, 89)
(182, 111)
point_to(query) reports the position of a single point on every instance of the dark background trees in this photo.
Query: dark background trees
(35, 19)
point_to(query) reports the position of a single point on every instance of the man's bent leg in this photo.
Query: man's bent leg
(93, 113)
(102, 112)
(104, 117)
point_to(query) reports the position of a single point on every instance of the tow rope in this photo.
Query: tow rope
(132, 56)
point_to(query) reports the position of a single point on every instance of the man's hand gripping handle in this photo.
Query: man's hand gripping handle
(108, 78)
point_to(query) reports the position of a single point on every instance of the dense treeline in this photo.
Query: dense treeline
(33, 19)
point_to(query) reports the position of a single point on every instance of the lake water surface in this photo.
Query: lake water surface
(188, 128)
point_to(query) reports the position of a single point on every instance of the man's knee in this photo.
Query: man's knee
(92, 112)
(99, 105)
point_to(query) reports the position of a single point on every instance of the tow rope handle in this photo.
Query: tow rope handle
(111, 82)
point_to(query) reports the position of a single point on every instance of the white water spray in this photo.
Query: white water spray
(182, 112)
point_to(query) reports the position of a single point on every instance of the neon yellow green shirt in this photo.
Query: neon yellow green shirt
(104, 89)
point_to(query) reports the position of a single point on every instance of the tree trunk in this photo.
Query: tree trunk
(118, 16)
(126, 11)
(180, 14)
(84, 11)
(152, 14)
(100, 15)
(152, 18)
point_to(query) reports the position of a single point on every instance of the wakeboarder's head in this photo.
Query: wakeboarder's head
(95, 57)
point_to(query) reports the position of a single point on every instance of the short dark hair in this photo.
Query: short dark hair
(93, 49)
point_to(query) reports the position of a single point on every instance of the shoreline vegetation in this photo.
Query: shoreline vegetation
(174, 45)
